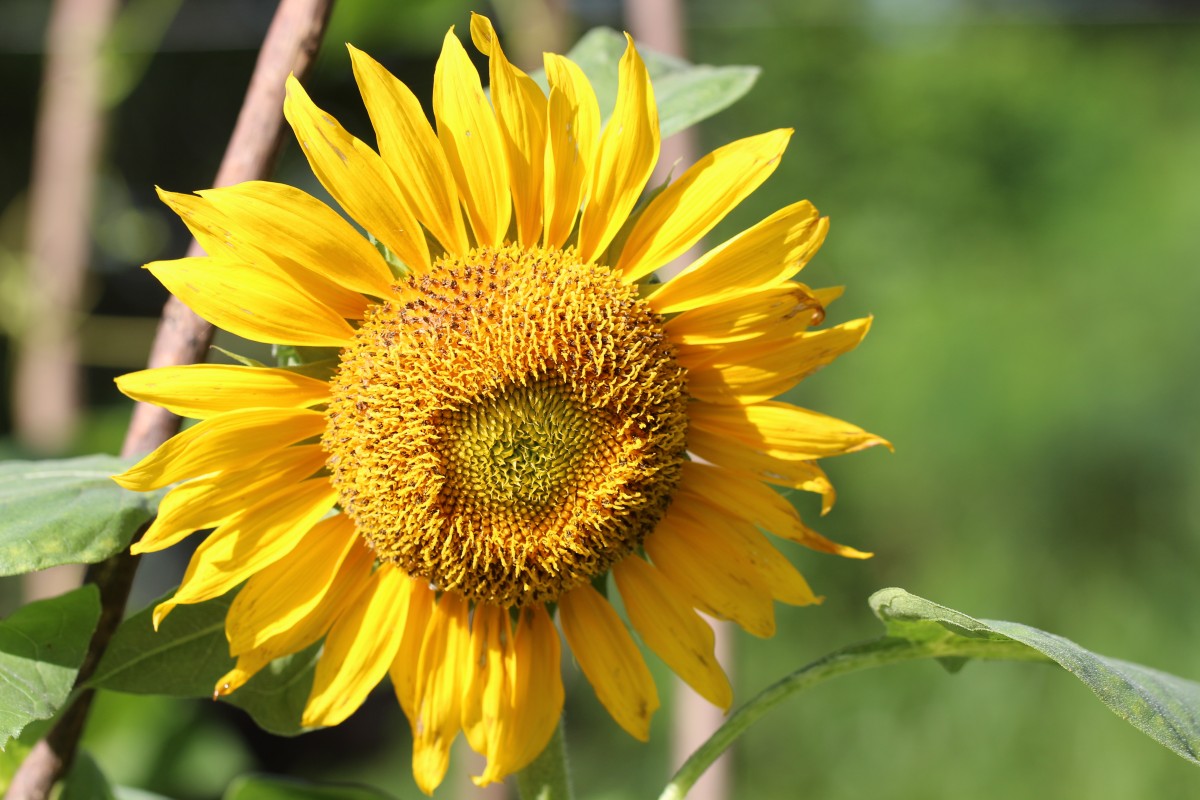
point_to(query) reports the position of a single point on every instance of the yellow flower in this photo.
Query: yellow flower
(513, 416)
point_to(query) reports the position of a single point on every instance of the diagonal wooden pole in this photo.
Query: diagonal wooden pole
(290, 46)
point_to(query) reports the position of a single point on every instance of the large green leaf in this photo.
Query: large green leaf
(86, 781)
(41, 647)
(189, 653)
(1164, 707)
(692, 95)
(66, 512)
(261, 787)
(275, 697)
(184, 658)
(686, 93)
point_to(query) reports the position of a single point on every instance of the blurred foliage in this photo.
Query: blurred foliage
(1011, 202)
(1013, 196)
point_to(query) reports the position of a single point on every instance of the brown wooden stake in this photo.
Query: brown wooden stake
(67, 145)
(290, 46)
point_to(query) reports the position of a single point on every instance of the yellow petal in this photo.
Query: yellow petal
(664, 618)
(829, 294)
(411, 149)
(287, 223)
(767, 335)
(781, 578)
(736, 457)
(747, 317)
(529, 699)
(279, 596)
(248, 665)
(486, 695)
(740, 496)
(232, 441)
(535, 696)
(713, 573)
(359, 648)
(758, 258)
(689, 208)
(609, 658)
(207, 502)
(403, 671)
(258, 302)
(251, 541)
(573, 123)
(243, 239)
(746, 373)
(783, 430)
(624, 160)
(441, 680)
(521, 111)
(470, 136)
(203, 390)
(347, 585)
(356, 176)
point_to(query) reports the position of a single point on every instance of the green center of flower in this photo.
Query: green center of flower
(519, 451)
(509, 426)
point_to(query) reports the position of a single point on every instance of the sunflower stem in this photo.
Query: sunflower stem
(548, 776)
(854, 658)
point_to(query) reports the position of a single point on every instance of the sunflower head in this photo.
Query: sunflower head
(508, 427)
(517, 417)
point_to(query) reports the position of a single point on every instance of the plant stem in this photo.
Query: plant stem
(183, 338)
(548, 776)
(842, 662)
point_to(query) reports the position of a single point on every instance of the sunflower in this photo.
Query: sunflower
(498, 410)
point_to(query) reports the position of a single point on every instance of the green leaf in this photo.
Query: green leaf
(1164, 707)
(184, 658)
(686, 93)
(131, 793)
(85, 781)
(689, 96)
(275, 698)
(261, 787)
(66, 512)
(188, 655)
(41, 647)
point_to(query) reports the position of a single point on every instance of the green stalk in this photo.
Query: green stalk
(547, 777)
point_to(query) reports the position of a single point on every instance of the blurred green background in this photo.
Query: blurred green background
(1014, 192)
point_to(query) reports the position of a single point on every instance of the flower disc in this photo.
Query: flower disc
(510, 426)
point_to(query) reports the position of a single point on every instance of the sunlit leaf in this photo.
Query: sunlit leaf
(67, 511)
(685, 93)
(1164, 707)
(41, 647)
